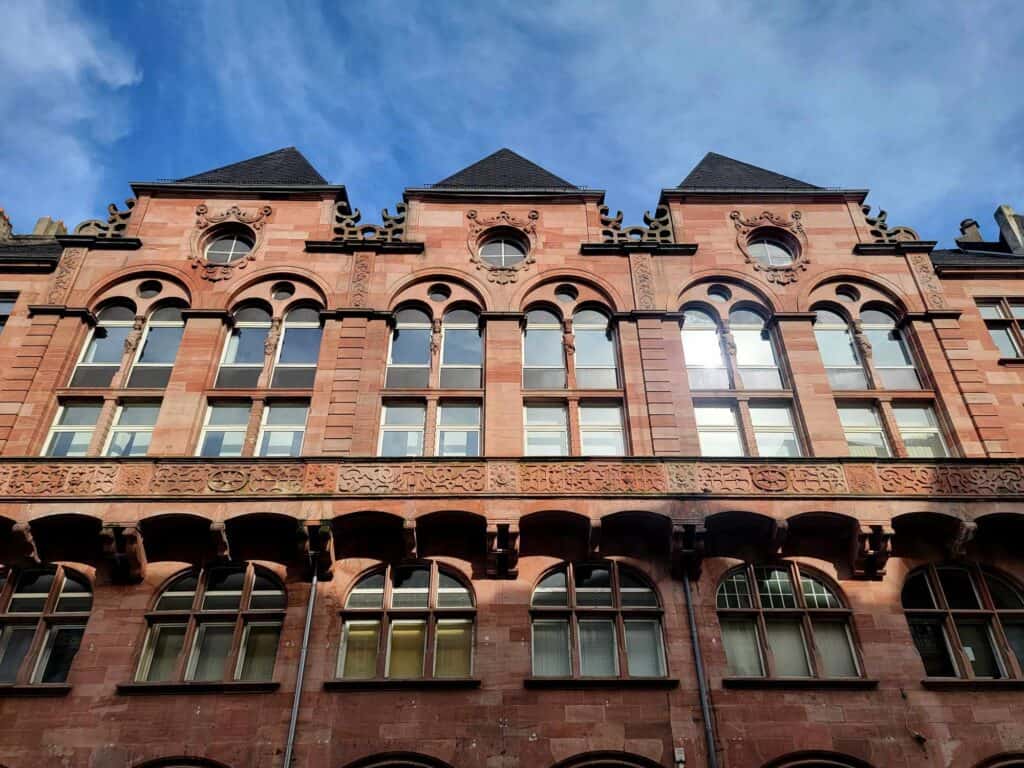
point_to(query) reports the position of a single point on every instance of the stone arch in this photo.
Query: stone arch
(181, 762)
(763, 295)
(398, 760)
(742, 534)
(452, 533)
(816, 759)
(68, 537)
(829, 536)
(555, 533)
(270, 274)
(268, 536)
(638, 533)
(138, 272)
(401, 290)
(608, 759)
(1007, 760)
(369, 534)
(180, 537)
(604, 289)
(900, 299)
(929, 534)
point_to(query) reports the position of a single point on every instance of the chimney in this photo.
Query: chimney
(47, 227)
(970, 232)
(1011, 229)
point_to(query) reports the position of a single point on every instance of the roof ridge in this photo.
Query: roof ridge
(504, 169)
(286, 165)
(716, 170)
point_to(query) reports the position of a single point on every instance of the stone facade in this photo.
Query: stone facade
(502, 520)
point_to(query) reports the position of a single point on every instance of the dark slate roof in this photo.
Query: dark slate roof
(283, 167)
(29, 247)
(959, 257)
(717, 171)
(504, 170)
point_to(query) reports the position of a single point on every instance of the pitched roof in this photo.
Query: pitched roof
(717, 171)
(283, 167)
(504, 169)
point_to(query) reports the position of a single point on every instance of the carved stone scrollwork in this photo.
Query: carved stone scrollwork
(791, 229)
(206, 224)
(688, 544)
(656, 229)
(478, 227)
(503, 550)
(873, 549)
(113, 227)
(348, 228)
(882, 233)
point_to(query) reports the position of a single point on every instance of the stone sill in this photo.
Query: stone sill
(957, 684)
(403, 685)
(801, 683)
(35, 689)
(571, 683)
(219, 686)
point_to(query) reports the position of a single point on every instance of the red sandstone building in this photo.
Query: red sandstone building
(503, 483)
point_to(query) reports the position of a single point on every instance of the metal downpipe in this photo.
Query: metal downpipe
(702, 683)
(300, 674)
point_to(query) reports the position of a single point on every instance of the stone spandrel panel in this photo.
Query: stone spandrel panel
(665, 478)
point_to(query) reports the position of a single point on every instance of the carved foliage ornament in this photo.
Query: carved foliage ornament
(113, 227)
(880, 228)
(656, 229)
(479, 229)
(211, 225)
(770, 224)
(348, 228)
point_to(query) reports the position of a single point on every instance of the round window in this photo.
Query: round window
(282, 291)
(566, 294)
(439, 292)
(719, 293)
(770, 252)
(149, 288)
(502, 252)
(228, 248)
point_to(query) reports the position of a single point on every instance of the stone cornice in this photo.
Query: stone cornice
(626, 248)
(100, 243)
(44, 479)
(361, 246)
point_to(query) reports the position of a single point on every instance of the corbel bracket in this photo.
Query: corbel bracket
(872, 550)
(503, 550)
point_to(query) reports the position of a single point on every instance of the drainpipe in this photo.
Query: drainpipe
(702, 682)
(293, 723)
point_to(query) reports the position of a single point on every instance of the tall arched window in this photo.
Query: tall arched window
(838, 351)
(702, 351)
(596, 620)
(756, 363)
(245, 351)
(784, 621)
(461, 350)
(966, 622)
(101, 358)
(43, 617)
(407, 622)
(157, 349)
(595, 357)
(543, 351)
(889, 355)
(299, 349)
(409, 353)
(219, 623)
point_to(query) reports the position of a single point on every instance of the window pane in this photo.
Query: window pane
(924, 445)
(544, 378)
(753, 348)
(836, 348)
(161, 345)
(462, 347)
(775, 588)
(911, 417)
(1003, 339)
(281, 443)
(360, 642)
(210, 651)
(847, 378)
(552, 590)
(368, 593)
(451, 593)
(547, 444)
(1015, 634)
(15, 641)
(260, 652)
(453, 648)
(107, 344)
(62, 644)
(222, 444)
(887, 347)
(405, 659)
(129, 443)
(867, 445)
(817, 595)
(286, 414)
(300, 346)
(594, 348)
(598, 654)
(460, 378)
(715, 417)
(701, 349)
(411, 587)
(75, 597)
(958, 587)
(835, 654)
(31, 592)
(720, 444)
(786, 639)
(541, 415)
(777, 445)
(165, 644)
(593, 585)
(644, 653)
(991, 311)
(411, 346)
(246, 346)
(1004, 595)
(543, 347)
(899, 378)
(551, 648)
(396, 443)
(917, 593)
(930, 639)
(734, 591)
(229, 415)
(458, 443)
(69, 444)
(739, 637)
(79, 415)
(460, 415)
(977, 642)
(603, 443)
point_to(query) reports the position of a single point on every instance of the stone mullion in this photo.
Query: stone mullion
(436, 341)
(637, 426)
(269, 353)
(746, 426)
(728, 344)
(104, 422)
(569, 353)
(891, 428)
(867, 362)
(430, 425)
(572, 408)
(252, 430)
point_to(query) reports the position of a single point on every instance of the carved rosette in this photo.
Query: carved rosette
(207, 226)
(791, 229)
(478, 228)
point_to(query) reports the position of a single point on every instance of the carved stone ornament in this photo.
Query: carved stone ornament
(643, 280)
(206, 227)
(479, 225)
(65, 275)
(131, 341)
(880, 228)
(792, 229)
(348, 228)
(930, 284)
(113, 227)
(656, 229)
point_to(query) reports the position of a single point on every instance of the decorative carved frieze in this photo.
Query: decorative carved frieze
(347, 227)
(64, 277)
(478, 228)
(114, 226)
(656, 229)
(591, 477)
(880, 228)
(791, 229)
(430, 479)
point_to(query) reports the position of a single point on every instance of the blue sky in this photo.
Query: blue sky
(920, 102)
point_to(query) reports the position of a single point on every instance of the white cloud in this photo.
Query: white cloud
(63, 77)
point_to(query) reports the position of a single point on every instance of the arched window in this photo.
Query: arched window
(838, 352)
(245, 350)
(461, 350)
(755, 354)
(158, 348)
(784, 621)
(965, 622)
(407, 622)
(101, 358)
(409, 355)
(702, 351)
(889, 355)
(218, 623)
(43, 617)
(596, 620)
(543, 351)
(299, 349)
(595, 357)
